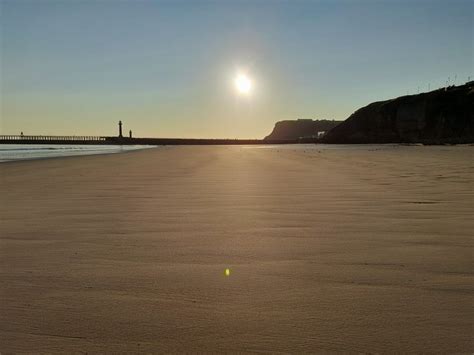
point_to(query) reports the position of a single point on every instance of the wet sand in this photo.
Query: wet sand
(363, 249)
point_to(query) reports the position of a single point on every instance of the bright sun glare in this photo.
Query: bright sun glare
(243, 84)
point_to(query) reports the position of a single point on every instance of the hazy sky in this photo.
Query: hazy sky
(166, 68)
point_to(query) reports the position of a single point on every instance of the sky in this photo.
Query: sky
(167, 68)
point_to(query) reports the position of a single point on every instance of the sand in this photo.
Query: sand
(365, 249)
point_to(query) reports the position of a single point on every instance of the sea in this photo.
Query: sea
(13, 152)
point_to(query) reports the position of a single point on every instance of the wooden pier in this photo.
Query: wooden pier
(39, 139)
(43, 139)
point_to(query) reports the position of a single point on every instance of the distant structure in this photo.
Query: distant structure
(120, 129)
(130, 133)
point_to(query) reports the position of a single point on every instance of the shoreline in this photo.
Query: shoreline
(75, 155)
(312, 145)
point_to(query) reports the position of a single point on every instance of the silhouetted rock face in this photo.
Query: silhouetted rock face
(295, 129)
(435, 117)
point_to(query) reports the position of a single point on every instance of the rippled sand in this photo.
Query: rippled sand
(347, 249)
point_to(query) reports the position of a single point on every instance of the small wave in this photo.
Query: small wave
(28, 152)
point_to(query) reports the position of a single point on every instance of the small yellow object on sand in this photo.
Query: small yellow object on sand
(227, 272)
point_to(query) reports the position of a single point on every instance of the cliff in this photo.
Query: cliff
(436, 117)
(295, 129)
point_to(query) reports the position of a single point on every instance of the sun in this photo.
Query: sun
(243, 84)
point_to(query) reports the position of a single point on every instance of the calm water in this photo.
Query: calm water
(11, 152)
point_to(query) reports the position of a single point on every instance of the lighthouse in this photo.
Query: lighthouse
(120, 129)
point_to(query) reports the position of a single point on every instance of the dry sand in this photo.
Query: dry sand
(360, 249)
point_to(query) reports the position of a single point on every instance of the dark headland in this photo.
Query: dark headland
(444, 116)
(300, 129)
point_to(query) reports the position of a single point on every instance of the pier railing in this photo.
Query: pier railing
(40, 139)
(21, 138)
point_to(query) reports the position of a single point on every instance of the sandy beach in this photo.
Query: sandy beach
(365, 249)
